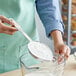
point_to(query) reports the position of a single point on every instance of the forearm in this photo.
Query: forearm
(57, 37)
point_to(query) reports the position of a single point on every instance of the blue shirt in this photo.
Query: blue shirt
(49, 13)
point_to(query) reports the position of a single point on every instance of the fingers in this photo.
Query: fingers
(14, 22)
(8, 29)
(63, 53)
(8, 32)
(62, 50)
(5, 20)
(67, 53)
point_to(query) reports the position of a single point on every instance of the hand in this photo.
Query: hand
(6, 29)
(63, 51)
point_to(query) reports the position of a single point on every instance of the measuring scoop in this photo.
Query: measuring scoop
(37, 49)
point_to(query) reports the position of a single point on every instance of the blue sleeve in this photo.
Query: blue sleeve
(49, 13)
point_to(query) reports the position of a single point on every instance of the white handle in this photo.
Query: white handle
(21, 30)
(25, 35)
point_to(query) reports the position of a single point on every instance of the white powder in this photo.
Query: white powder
(40, 50)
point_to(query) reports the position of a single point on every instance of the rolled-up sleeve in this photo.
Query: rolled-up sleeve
(49, 13)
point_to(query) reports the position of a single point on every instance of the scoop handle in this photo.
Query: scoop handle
(25, 35)
(21, 30)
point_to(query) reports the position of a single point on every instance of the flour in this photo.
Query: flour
(40, 50)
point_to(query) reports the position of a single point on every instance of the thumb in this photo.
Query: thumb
(9, 28)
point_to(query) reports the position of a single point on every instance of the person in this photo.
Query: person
(13, 44)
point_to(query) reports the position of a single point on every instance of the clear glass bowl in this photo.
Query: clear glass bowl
(45, 68)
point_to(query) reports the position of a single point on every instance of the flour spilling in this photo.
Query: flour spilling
(40, 51)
